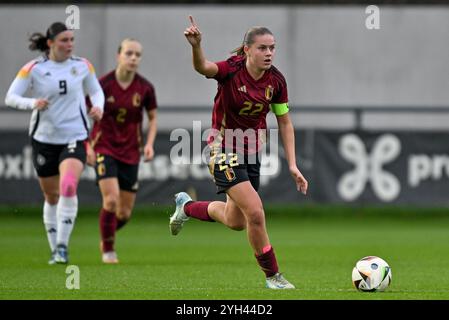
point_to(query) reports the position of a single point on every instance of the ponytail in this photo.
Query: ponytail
(239, 50)
(39, 41)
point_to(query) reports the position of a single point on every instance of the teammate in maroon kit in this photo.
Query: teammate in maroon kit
(117, 142)
(248, 87)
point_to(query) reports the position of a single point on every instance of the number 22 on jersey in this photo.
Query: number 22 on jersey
(251, 109)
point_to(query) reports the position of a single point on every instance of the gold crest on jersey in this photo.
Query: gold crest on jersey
(269, 92)
(101, 169)
(73, 72)
(111, 99)
(230, 174)
(136, 100)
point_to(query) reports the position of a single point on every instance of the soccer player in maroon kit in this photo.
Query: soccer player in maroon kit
(248, 88)
(117, 142)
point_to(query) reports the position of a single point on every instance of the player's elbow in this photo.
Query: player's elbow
(284, 123)
(200, 68)
(207, 68)
(8, 100)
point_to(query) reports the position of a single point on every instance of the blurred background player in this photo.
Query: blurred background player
(58, 127)
(117, 142)
(248, 87)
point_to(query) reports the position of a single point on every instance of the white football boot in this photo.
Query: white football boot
(278, 282)
(109, 257)
(179, 217)
(52, 258)
(62, 254)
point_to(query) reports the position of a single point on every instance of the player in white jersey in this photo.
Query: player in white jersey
(57, 82)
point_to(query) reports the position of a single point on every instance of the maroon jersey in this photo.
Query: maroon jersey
(119, 133)
(243, 103)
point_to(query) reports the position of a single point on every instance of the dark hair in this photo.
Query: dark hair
(39, 41)
(248, 39)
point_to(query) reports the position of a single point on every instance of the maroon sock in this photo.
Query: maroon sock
(121, 224)
(268, 263)
(198, 210)
(108, 224)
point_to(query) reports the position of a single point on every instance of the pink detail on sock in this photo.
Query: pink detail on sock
(266, 249)
(198, 210)
(68, 185)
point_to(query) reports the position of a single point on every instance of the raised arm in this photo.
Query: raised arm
(200, 63)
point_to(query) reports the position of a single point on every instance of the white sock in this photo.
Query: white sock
(50, 223)
(66, 214)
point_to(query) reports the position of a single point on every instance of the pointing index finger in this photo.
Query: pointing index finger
(192, 21)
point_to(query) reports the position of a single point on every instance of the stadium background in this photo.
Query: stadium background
(342, 77)
(385, 91)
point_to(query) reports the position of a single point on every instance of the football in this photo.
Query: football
(371, 274)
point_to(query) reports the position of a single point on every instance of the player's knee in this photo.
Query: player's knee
(51, 198)
(255, 217)
(124, 214)
(110, 203)
(68, 185)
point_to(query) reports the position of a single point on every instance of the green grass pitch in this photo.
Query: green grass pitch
(316, 248)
